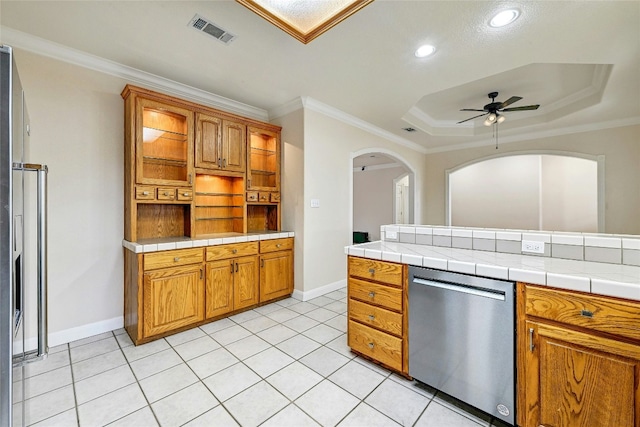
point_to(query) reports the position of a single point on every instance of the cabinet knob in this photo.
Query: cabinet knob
(145, 193)
(372, 271)
(176, 259)
(166, 193)
(235, 251)
(185, 194)
(372, 294)
(372, 317)
(370, 345)
(278, 245)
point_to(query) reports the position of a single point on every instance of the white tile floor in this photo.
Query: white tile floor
(283, 364)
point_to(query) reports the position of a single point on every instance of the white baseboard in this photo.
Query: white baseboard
(317, 292)
(77, 333)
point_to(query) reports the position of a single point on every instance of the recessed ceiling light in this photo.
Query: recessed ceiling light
(425, 50)
(504, 18)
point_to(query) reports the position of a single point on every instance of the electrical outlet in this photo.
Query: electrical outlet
(315, 203)
(533, 247)
(391, 235)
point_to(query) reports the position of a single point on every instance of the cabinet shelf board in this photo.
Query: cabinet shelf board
(218, 218)
(262, 151)
(219, 206)
(168, 132)
(164, 160)
(262, 172)
(202, 193)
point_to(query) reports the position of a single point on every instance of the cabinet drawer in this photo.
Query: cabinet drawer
(166, 193)
(177, 257)
(252, 196)
(373, 293)
(376, 317)
(274, 245)
(372, 269)
(264, 196)
(382, 347)
(275, 197)
(145, 193)
(185, 194)
(599, 313)
(231, 250)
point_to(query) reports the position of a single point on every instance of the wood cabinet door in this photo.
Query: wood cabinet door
(208, 142)
(245, 274)
(276, 275)
(164, 143)
(219, 288)
(172, 298)
(579, 379)
(234, 145)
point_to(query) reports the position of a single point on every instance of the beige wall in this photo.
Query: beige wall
(373, 199)
(77, 130)
(620, 146)
(329, 146)
(292, 183)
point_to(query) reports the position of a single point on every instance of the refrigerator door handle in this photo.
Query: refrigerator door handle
(43, 348)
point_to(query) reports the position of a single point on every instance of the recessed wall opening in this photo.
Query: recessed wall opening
(528, 191)
(383, 193)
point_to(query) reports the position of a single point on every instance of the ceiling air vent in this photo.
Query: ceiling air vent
(203, 24)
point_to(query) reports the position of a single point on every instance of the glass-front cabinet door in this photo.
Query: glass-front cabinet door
(164, 144)
(263, 160)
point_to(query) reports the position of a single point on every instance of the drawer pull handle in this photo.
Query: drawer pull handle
(370, 345)
(145, 193)
(372, 271)
(587, 313)
(235, 251)
(185, 194)
(372, 317)
(372, 294)
(176, 259)
(531, 345)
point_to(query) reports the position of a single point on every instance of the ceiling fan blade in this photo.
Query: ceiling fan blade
(471, 109)
(510, 101)
(471, 118)
(524, 108)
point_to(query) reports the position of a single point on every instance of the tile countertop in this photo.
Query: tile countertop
(170, 243)
(617, 280)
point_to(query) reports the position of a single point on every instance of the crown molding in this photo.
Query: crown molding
(327, 110)
(286, 108)
(47, 48)
(590, 127)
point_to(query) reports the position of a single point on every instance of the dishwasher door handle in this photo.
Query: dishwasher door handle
(497, 295)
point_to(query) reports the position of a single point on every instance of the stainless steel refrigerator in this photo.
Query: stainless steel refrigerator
(17, 349)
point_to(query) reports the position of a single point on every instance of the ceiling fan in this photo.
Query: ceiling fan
(493, 109)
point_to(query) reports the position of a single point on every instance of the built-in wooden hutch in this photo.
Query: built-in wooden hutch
(193, 174)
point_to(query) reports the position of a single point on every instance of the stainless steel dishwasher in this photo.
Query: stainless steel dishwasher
(462, 338)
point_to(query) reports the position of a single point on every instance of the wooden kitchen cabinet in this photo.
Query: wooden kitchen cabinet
(579, 359)
(377, 310)
(163, 292)
(164, 132)
(276, 268)
(220, 143)
(231, 278)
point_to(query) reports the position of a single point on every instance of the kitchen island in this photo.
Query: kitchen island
(577, 334)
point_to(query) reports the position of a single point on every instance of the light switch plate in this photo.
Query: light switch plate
(533, 247)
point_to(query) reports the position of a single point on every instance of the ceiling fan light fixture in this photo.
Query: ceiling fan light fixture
(492, 117)
(424, 51)
(503, 18)
(487, 122)
(501, 118)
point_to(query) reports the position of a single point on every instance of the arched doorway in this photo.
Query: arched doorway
(383, 190)
(530, 191)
